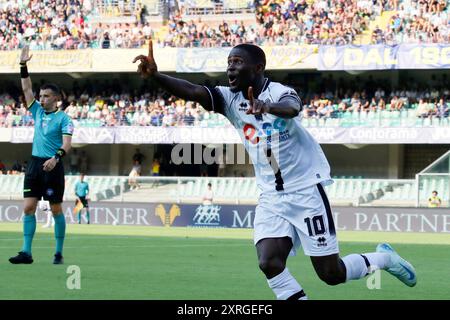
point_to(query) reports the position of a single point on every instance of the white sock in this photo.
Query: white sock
(379, 260)
(357, 267)
(284, 286)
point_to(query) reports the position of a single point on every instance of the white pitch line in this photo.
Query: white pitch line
(144, 246)
(76, 238)
(149, 237)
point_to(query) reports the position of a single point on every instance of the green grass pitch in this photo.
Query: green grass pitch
(129, 262)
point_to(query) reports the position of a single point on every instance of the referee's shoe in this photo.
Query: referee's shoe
(22, 257)
(58, 259)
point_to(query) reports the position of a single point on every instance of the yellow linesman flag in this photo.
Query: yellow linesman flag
(78, 207)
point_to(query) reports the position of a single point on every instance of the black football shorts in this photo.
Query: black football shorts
(39, 183)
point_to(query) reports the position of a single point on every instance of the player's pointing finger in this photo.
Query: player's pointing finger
(250, 96)
(150, 49)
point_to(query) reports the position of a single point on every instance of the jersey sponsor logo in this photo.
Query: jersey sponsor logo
(207, 215)
(267, 130)
(44, 124)
(243, 106)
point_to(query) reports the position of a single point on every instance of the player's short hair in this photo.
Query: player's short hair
(52, 87)
(435, 192)
(254, 51)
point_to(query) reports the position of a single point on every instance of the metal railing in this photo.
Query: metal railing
(116, 7)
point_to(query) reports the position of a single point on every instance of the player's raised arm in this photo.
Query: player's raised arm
(178, 87)
(27, 86)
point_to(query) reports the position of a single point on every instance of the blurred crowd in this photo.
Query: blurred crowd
(423, 21)
(280, 22)
(107, 104)
(333, 99)
(66, 24)
(76, 24)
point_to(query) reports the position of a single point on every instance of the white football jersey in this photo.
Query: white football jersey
(285, 156)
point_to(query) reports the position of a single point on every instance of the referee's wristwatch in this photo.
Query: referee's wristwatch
(59, 154)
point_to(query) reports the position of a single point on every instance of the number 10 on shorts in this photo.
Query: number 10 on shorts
(316, 226)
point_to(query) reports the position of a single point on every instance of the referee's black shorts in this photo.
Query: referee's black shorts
(84, 201)
(39, 183)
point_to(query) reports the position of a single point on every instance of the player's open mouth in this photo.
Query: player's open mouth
(232, 80)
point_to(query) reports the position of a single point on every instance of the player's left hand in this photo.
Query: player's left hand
(49, 164)
(257, 107)
(147, 66)
(25, 54)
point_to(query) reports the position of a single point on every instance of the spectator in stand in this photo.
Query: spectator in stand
(364, 102)
(396, 104)
(2, 168)
(309, 111)
(442, 110)
(189, 119)
(381, 104)
(423, 110)
(373, 106)
(324, 111)
(355, 103)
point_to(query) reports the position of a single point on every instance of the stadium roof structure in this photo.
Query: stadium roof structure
(440, 165)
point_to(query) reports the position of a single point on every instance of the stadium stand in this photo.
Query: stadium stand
(373, 105)
(416, 22)
(122, 24)
(344, 191)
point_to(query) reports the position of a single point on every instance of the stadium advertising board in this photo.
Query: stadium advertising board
(291, 57)
(229, 135)
(436, 220)
(5, 134)
(202, 60)
(349, 57)
(383, 57)
(176, 135)
(49, 61)
(168, 59)
(277, 57)
(81, 135)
